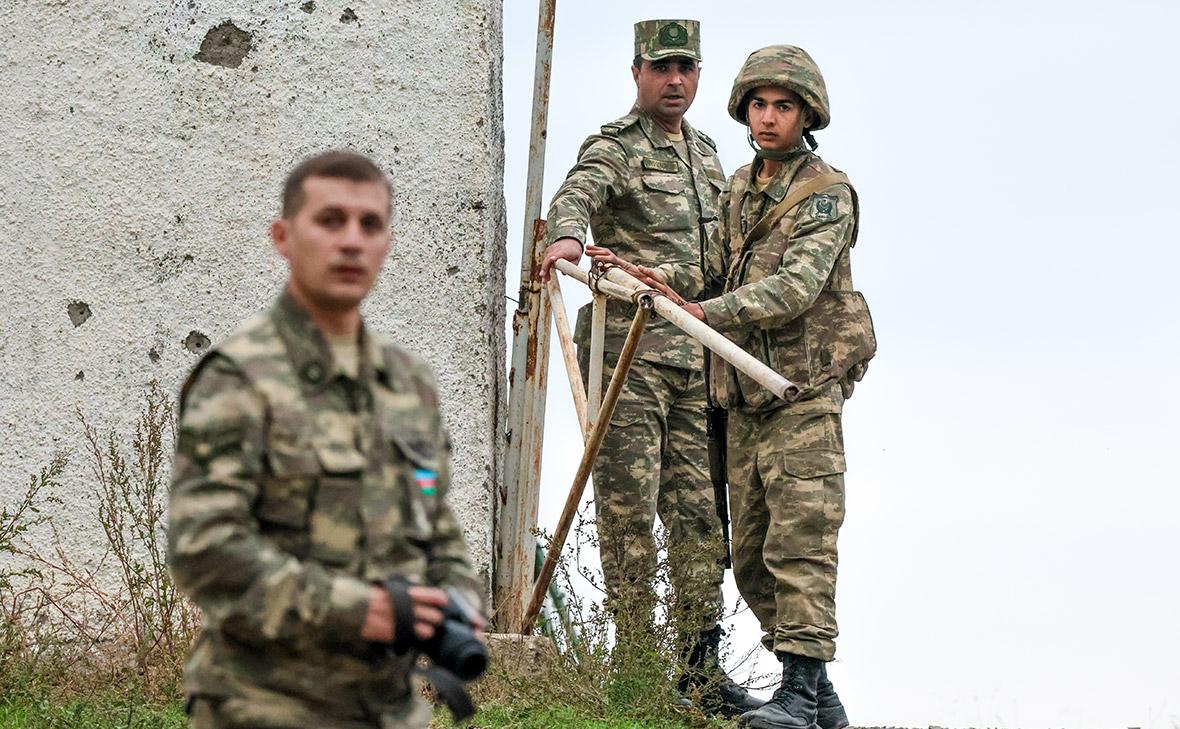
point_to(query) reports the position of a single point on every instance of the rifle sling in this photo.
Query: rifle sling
(794, 196)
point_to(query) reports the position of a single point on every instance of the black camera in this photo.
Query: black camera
(454, 646)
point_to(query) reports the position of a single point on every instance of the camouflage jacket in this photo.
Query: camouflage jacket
(295, 488)
(648, 205)
(762, 293)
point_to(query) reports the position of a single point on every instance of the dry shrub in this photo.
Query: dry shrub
(614, 659)
(75, 627)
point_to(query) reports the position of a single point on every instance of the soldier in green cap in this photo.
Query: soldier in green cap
(311, 473)
(647, 187)
(780, 261)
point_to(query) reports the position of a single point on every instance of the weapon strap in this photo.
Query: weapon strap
(793, 197)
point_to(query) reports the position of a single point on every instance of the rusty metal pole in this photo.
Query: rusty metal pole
(593, 443)
(516, 513)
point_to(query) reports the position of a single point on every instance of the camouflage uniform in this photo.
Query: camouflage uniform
(786, 462)
(296, 487)
(648, 204)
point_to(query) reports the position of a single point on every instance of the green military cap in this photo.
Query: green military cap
(656, 39)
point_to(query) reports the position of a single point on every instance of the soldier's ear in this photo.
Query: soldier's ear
(280, 235)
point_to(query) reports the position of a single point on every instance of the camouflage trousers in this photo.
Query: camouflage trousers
(654, 461)
(259, 708)
(786, 487)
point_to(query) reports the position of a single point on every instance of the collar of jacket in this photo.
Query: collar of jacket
(658, 136)
(780, 183)
(308, 349)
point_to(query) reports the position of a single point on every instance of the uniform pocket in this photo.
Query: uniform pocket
(840, 335)
(813, 464)
(788, 353)
(419, 470)
(285, 494)
(805, 484)
(335, 523)
(671, 184)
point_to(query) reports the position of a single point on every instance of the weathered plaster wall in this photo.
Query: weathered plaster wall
(142, 148)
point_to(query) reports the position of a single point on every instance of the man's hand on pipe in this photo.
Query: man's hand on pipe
(569, 249)
(648, 277)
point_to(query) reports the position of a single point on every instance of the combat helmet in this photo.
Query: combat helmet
(786, 66)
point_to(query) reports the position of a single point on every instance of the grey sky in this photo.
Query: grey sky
(1011, 550)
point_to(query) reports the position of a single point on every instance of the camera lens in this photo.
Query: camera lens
(461, 652)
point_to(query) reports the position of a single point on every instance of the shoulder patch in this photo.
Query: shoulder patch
(618, 125)
(825, 207)
(706, 139)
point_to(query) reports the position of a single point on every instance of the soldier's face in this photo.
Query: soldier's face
(667, 87)
(777, 117)
(336, 243)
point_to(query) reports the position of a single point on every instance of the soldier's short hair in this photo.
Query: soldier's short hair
(337, 163)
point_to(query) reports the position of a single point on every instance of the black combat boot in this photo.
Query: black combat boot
(719, 695)
(793, 705)
(830, 712)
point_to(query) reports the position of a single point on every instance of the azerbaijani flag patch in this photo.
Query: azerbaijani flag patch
(427, 481)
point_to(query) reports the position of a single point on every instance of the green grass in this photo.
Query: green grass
(566, 717)
(114, 714)
(26, 713)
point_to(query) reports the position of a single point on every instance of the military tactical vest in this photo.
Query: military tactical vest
(831, 340)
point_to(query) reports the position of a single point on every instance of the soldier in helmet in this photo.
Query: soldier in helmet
(780, 275)
(311, 468)
(647, 186)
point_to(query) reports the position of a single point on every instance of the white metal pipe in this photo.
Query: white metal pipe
(594, 373)
(566, 338)
(619, 284)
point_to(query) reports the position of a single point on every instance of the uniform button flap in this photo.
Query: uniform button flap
(664, 183)
(339, 458)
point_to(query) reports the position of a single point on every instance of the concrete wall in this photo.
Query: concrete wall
(142, 149)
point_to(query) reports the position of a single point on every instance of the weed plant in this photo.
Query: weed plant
(617, 659)
(100, 643)
(71, 628)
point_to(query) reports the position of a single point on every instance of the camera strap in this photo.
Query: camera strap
(450, 689)
(447, 685)
(403, 614)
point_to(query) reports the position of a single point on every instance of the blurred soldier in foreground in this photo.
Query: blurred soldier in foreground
(781, 260)
(647, 185)
(310, 478)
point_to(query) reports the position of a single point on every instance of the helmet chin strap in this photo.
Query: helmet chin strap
(779, 155)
